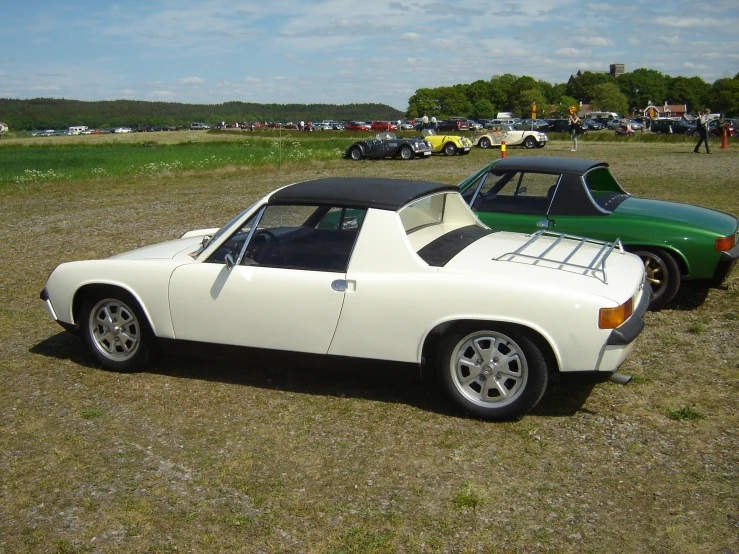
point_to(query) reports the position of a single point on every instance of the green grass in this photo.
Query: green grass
(35, 161)
(686, 412)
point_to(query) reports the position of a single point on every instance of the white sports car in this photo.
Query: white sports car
(511, 136)
(370, 268)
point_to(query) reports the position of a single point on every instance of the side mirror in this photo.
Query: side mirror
(230, 261)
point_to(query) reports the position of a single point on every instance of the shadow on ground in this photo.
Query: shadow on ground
(318, 375)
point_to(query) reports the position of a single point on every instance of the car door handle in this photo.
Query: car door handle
(342, 285)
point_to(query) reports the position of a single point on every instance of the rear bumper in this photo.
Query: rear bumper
(627, 333)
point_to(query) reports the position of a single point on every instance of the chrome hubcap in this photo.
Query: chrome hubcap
(114, 329)
(489, 368)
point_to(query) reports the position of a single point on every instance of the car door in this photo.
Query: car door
(284, 292)
(514, 201)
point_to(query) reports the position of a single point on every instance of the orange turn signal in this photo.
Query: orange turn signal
(610, 318)
(725, 243)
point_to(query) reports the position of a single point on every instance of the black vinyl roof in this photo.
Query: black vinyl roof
(358, 192)
(544, 164)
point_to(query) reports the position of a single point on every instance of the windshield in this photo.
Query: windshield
(221, 231)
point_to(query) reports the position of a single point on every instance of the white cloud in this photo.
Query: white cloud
(192, 80)
(162, 94)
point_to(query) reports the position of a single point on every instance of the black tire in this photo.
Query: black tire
(406, 153)
(116, 330)
(450, 149)
(530, 142)
(467, 360)
(356, 153)
(484, 143)
(663, 275)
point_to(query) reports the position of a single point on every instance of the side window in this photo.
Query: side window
(537, 184)
(313, 238)
(517, 193)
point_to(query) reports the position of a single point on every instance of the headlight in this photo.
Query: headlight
(610, 318)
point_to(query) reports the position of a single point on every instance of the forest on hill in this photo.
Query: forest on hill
(53, 113)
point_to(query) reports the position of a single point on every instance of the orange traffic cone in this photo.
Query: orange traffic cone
(725, 141)
(502, 149)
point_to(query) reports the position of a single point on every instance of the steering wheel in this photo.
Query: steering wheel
(262, 247)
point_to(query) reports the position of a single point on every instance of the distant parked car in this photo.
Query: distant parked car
(380, 125)
(455, 124)
(387, 145)
(593, 125)
(666, 125)
(715, 128)
(358, 126)
(511, 136)
(448, 144)
(199, 126)
(406, 126)
(122, 130)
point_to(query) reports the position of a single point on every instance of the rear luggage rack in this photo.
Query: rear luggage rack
(595, 268)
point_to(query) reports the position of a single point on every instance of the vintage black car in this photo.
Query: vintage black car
(387, 145)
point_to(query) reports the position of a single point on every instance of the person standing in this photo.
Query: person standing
(425, 121)
(575, 126)
(703, 131)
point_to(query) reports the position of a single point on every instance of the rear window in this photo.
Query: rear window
(422, 213)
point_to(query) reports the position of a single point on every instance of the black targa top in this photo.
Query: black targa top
(544, 164)
(570, 196)
(358, 192)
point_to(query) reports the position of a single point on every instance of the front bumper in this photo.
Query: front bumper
(726, 265)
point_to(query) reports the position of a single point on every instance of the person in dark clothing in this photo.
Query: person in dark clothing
(703, 131)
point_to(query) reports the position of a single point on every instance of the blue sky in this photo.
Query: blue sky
(344, 51)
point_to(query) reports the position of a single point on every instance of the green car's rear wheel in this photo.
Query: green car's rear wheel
(663, 275)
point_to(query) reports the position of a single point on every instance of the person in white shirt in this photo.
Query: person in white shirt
(703, 131)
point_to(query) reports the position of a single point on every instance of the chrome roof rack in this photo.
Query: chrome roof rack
(557, 255)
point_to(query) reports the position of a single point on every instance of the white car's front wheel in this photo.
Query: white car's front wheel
(491, 374)
(115, 331)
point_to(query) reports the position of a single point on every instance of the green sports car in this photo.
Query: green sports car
(581, 197)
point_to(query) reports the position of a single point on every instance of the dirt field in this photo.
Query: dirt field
(264, 453)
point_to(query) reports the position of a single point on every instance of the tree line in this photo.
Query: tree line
(628, 93)
(52, 113)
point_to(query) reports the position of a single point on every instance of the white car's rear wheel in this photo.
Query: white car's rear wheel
(484, 143)
(492, 374)
(115, 331)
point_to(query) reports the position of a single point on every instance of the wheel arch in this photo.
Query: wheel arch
(434, 337)
(90, 290)
(682, 262)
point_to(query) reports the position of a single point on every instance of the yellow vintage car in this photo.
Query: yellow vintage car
(448, 144)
